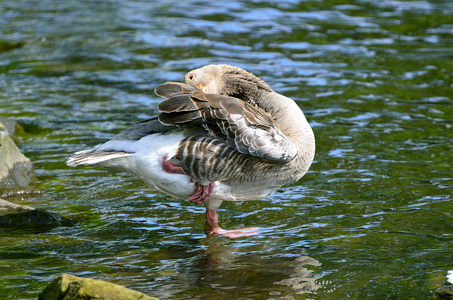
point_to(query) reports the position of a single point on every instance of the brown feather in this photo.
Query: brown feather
(179, 118)
(168, 89)
(179, 102)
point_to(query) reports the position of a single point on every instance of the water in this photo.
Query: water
(372, 219)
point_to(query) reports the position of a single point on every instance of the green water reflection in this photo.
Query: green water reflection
(371, 220)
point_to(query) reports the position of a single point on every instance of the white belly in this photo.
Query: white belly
(146, 164)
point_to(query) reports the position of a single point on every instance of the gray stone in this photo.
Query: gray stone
(9, 126)
(7, 208)
(16, 170)
(68, 287)
(22, 216)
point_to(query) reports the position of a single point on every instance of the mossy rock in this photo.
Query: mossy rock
(10, 127)
(22, 216)
(69, 287)
(444, 292)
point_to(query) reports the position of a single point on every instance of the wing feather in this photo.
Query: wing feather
(244, 126)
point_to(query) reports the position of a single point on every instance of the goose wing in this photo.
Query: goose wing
(243, 126)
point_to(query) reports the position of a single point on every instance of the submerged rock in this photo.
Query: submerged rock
(6, 45)
(16, 170)
(68, 287)
(23, 216)
(444, 292)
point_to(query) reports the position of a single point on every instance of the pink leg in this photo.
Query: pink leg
(169, 167)
(201, 193)
(212, 227)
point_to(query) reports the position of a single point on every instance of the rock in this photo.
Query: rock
(6, 46)
(9, 126)
(16, 170)
(14, 215)
(444, 292)
(7, 208)
(68, 287)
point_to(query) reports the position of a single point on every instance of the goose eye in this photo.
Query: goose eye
(190, 77)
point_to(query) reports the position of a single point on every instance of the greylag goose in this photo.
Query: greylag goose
(223, 135)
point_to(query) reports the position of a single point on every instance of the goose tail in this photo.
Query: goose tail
(93, 157)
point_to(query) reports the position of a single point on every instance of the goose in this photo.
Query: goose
(222, 135)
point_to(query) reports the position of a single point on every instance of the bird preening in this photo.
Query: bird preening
(223, 135)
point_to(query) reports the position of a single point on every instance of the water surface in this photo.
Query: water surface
(372, 219)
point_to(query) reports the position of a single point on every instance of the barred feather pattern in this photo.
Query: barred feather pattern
(229, 166)
(245, 127)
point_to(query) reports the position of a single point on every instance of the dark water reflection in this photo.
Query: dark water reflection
(372, 218)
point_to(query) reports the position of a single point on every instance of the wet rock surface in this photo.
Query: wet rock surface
(9, 126)
(69, 287)
(16, 170)
(444, 292)
(23, 216)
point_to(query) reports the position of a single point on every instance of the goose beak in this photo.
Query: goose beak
(201, 87)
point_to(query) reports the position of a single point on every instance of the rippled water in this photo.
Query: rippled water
(371, 219)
